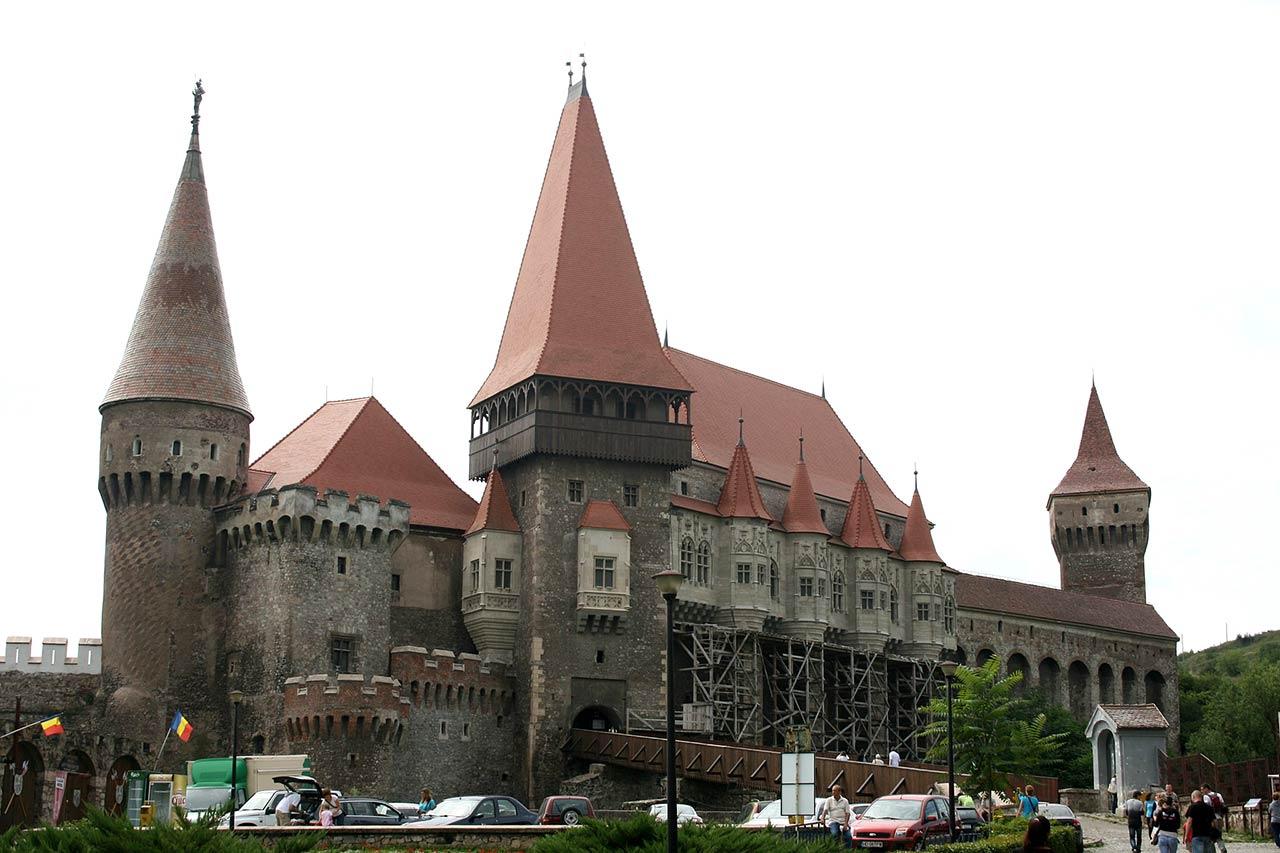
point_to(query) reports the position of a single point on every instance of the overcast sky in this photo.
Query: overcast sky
(952, 211)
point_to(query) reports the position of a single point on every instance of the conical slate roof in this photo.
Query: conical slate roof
(579, 309)
(1098, 467)
(802, 514)
(180, 347)
(740, 496)
(861, 526)
(917, 540)
(494, 512)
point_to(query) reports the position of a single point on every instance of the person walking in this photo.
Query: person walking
(1166, 823)
(1201, 822)
(1113, 795)
(879, 759)
(1028, 805)
(1134, 812)
(1173, 798)
(895, 760)
(1149, 801)
(1274, 811)
(835, 814)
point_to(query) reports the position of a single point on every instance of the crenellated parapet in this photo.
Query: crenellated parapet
(298, 513)
(346, 706)
(53, 656)
(441, 679)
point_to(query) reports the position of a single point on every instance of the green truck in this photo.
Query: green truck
(209, 779)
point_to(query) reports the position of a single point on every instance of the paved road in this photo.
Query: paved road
(1115, 838)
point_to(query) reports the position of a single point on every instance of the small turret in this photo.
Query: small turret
(492, 572)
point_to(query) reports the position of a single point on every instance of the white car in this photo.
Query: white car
(770, 815)
(684, 814)
(258, 810)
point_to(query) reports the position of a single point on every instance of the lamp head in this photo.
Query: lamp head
(948, 668)
(236, 697)
(668, 582)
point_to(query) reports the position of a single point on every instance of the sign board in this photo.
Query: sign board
(797, 783)
(1254, 803)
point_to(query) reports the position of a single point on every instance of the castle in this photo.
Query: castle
(376, 617)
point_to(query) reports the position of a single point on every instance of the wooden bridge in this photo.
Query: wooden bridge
(761, 767)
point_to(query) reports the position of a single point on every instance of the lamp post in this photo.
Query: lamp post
(668, 583)
(948, 668)
(236, 698)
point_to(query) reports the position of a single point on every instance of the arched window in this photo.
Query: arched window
(704, 562)
(893, 603)
(686, 558)
(949, 615)
(837, 592)
(773, 580)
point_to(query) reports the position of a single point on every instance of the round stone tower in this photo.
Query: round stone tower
(174, 445)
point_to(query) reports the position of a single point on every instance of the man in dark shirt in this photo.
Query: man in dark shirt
(1202, 820)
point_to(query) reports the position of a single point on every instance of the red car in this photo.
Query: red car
(901, 822)
(565, 811)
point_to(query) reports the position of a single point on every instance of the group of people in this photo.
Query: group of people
(289, 811)
(1158, 817)
(895, 759)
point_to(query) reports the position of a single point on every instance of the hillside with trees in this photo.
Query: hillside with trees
(1229, 696)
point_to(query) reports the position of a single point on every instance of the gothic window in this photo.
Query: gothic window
(893, 603)
(575, 491)
(949, 615)
(341, 654)
(604, 572)
(773, 581)
(760, 574)
(1084, 510)
(822, 587)
(922, 611)
(806, 587)
(502, 574)
(686, 558)
(704, 562)
(176, 449)
(884, 600)
(743, 572)
(213, 453)
(630, 495)
(837, 592)
(866, 599)
(475, 575)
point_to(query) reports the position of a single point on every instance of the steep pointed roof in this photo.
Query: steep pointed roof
(1098, 466)
(802, 514)
(180, 347)
(861, 526)
(580, 309)
(603, 515)
(917, 540)
(740, 496)
(494, 512)
(357, 446)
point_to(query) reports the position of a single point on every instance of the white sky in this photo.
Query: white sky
(952, 211)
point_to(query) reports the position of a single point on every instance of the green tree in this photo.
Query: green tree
(996, 735)
(1238, 714)
(1072, 761)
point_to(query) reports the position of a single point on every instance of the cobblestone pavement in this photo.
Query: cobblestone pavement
(1115, 838)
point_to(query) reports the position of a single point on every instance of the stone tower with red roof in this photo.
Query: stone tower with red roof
(174, 444)
(1098, 516)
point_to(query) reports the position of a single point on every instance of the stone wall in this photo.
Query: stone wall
(428, 610)
(53, 658)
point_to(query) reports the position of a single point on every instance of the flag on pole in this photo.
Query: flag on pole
(52, 726)
(181, 727)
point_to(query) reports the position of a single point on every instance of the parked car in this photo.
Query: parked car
(857, 809)
(1060, 815)
(407, 810)
(478, 811)
(902, 821)
(684, 813)
(258, 810)
(564, 811)
(364, 811)
(308, 790)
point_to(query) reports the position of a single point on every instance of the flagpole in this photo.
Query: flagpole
(30, 725)
(161, 752)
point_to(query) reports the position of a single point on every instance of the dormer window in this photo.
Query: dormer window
(137, 446)
(177, 448)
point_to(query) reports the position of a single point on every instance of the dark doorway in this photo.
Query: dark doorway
(22, 786)
(115, 788)
(598, 718)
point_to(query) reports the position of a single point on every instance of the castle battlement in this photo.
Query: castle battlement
(345, 706)
(298, 513)
(53, 657)
(441, 679)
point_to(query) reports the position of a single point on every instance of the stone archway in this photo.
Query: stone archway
(599, 718)
(1019, 663)
(22, 787)
(73, 783)
(1154, 689)
(1079, 694)
(116, 788)
(1128, 686)
(1104, 758)
(1106, 684)
(1049, 673)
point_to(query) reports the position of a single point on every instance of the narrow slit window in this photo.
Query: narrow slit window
(213, 453)
(176, 450)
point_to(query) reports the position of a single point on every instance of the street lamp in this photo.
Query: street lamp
(236, 698)
(668, 583)
(948, 668)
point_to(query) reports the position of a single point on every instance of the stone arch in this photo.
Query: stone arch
(1153, 686)
(115, 791)
(961, 657)
(1106, 684)
(258, 744)
(985, 655)
(22, 786)
(1018, 663)
(1050, 672)
(1080, 696)
(76, 761)
(1128, 686)
(598, 718)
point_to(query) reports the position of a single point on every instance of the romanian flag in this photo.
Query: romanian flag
(52, 726)
(181, 727)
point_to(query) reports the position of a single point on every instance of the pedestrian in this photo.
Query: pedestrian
(1173, 798)
(330, 808)
(1274, 810)
(1113, 795)
(895, 760)
(1219, 806)
(965, 800)
(1167, 821)
(1028, 805)
(286, 807)
(1201, 822)
(1149, 802)
(426, 802)
(1134, 812)
(834, 812)
(1037, 838)
(879, 759)
(842, 756)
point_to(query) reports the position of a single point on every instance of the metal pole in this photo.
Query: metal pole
(951, 764)
(671, 722)
(235, 747)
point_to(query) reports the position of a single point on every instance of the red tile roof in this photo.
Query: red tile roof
(356, 446)
(1098, 467)
(917, 540)
(180, 347)
(579, 309)
(740, 496)
(1136, 716)
(802, 514)
(686, 502)
(861, 527)
(494, 512)
(603, 515)
(977, 592)
(777, 413)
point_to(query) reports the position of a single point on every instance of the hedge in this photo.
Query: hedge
(99, 832)
(643, 834)
(1006, 837)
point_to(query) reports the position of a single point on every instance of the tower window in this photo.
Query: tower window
(743, 572)
(866, 600)
(704, 562)
(922, 611)
(823, 513)
(575, 491)
(1084, 510)
(395, 582)
(176, 450)
(760, 574)
(240, 456)
(604, 573)
(1115, 508)
(630, 495)
(475, 575)
(502, 574)
(342, 565)
(684, 487)
(137, 446)
(107, 455)
(773, 581)
(444, 729)
(340, 654)
(522, 498)
(806, 587)
(599, 655)
(213, 453)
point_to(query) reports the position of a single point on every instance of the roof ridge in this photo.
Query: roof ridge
(282, 439)
(343, 435)
(568, 185)
(777, 382)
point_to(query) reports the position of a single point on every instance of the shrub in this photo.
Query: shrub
(1006, 839)
(99, 832)
(643, 834)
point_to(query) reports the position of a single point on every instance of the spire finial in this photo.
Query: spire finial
(494, 467)
(583, 57)
(860, 466)
(801, 444)
(915, 474)
(569, 64)
(665, 339)
(197, 95)
(741, 443)
(824, 387)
